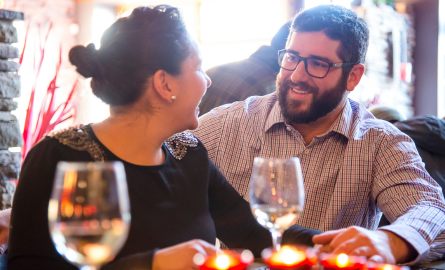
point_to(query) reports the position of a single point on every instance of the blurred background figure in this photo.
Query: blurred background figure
(387, 113)
(427, 132)
(254, 76)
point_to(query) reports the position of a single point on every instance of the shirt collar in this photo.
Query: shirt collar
(341, 125)
(275, 116)
(343, 122)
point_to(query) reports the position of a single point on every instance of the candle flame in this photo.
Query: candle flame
(387, 267)
(342, 260)
(288, 256)
(222, 262)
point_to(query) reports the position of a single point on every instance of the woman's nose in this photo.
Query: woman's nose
(209, 81)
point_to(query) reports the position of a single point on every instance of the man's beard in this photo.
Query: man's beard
(321, 105)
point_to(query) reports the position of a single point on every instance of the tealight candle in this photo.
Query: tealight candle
(290, 257)
(381, 266)
(342, 261)
(225, 260)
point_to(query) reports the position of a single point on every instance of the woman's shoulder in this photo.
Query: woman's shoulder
(182, 143)
(79, 138)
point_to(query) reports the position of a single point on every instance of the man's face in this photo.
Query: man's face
(303, 98)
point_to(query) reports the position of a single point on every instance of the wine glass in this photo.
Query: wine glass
(89, 212)
(276, 194)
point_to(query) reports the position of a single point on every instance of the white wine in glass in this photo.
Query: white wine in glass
(89, 212)
(276, 194)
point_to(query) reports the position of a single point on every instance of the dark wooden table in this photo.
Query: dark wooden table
(258, 264)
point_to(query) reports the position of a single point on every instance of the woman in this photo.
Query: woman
(149, 70)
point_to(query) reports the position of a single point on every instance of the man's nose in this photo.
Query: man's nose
(299, 74)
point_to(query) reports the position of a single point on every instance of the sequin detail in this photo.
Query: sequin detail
(178, 143)
(78, 138)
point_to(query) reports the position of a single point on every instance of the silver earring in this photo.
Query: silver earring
(173, 97)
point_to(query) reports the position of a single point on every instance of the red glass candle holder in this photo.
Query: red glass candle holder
(342, 261)
(225, 260)
(290, 257)
(381, 266)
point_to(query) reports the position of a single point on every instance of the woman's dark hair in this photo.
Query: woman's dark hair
(132, 50)
(338, 23)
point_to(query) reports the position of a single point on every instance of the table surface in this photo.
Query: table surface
(258, 264)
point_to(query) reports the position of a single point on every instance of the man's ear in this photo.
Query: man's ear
(355, 75)
(163, 84)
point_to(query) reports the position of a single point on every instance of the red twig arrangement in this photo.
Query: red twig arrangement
(50, 113)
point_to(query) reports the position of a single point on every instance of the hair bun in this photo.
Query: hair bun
(84, 58)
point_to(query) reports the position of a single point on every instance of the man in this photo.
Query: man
(354, 166)
(254, 76)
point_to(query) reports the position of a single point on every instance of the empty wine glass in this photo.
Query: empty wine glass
(89, 212)
(276, 194)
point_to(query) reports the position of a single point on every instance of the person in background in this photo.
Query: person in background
(254, 76)
(387, 113)
(149, 70)
(354, 166)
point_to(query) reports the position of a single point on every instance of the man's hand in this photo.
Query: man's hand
(4, 226)
(180, 256)
(378, 246)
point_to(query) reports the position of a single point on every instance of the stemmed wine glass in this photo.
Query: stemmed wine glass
(89, 212)
(276, 194)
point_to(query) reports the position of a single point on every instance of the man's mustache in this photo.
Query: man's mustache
(304, 86)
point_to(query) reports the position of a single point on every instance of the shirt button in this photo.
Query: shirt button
(288, 128)
(306, 151)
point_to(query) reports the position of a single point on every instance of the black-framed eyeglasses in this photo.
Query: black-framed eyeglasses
(314, 67)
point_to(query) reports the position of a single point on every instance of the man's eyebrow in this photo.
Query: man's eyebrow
(320, 58)
(294, 52)
(312, 56)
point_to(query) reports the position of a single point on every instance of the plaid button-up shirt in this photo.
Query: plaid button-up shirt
(360, 167)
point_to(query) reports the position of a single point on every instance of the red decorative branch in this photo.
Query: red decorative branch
(50, 113)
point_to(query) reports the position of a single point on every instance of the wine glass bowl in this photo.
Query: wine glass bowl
(89, 212)
(276, 194)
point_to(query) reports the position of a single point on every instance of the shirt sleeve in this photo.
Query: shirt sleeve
(411, 200)
(30, 244)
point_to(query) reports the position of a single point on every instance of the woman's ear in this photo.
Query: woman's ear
(164, 85)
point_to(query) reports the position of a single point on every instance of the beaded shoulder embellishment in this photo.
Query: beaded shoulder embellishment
(178, 143)
(78, 138)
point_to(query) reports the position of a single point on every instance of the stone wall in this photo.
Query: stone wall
(10, 135)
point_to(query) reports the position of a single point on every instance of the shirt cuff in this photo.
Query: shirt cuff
(413, 237)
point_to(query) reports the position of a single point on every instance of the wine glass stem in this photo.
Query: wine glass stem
(276, 239)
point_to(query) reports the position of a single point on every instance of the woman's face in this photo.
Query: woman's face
(193, 82)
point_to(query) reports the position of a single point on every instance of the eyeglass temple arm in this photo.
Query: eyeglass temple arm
(343, 64)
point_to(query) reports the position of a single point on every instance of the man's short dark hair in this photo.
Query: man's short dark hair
(338, 23)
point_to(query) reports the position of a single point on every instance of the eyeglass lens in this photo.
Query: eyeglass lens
(314, 67)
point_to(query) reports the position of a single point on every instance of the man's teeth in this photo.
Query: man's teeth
(300, 91)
